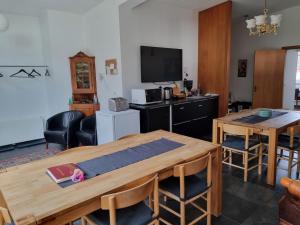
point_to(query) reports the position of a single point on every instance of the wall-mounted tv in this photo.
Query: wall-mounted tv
(161, 64)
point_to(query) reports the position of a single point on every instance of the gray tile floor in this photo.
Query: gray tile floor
(251, 203)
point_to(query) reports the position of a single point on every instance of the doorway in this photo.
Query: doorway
(291, 86)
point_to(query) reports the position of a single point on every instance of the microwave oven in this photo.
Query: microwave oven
(146, 96)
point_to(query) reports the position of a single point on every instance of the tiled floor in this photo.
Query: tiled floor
(251, 203)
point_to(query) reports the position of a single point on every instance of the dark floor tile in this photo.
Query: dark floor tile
(236, 208)
(263, 216)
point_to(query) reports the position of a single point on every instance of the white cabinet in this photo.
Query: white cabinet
(113, 125)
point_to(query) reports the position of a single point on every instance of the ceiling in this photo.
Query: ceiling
(255, 7)
(34, 7)
(240, 7)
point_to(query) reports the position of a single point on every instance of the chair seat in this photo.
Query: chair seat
(283, 141)
(235, 142)
(194, 185)
(139, 214)
(56, 136)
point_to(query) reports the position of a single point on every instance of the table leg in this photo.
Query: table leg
(216, 138)
(217, 182)
(272, 157)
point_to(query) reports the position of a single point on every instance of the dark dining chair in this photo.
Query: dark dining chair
(87, 135)
(61, 128)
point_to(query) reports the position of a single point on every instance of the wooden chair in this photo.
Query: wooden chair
(289, 143)
(126, 207)
(236, 140)
(186, 187)
(5, 217)
(128, 136)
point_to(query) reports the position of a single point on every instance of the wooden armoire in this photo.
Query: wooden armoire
(84, 86)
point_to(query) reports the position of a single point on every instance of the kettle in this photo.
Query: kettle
(168, 93)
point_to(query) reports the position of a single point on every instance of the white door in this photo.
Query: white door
(289, 84)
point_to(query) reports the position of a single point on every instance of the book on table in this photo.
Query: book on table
(62, 173)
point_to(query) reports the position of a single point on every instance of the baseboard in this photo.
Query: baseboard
(22, 145)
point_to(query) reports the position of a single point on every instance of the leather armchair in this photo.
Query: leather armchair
(87, 135)
(289, 204)
(61, 128)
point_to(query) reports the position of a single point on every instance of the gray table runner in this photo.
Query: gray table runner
(117, 160)
(252, 119)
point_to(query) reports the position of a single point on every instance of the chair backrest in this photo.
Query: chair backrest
(236, 130)
(128, 136)
(294, 131)
(192, 167)
(137, 192)
(4, 216)
(63, 119)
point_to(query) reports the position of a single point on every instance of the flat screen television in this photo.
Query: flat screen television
(161, 64)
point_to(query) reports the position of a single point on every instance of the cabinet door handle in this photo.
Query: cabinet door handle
(200, 106)
(181, 108)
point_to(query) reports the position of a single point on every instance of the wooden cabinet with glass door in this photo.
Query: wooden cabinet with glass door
(84, 87)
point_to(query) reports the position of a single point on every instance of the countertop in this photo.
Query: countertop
(172, 102)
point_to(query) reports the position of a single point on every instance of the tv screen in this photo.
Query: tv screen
(161, 64)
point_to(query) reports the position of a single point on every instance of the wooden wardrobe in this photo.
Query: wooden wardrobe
(214, 52)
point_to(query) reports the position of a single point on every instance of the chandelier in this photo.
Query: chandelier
(262, 24)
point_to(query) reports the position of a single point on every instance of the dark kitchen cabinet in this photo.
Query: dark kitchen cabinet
(154, 118)
(190, 117)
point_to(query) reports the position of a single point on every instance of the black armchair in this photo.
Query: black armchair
(61, 128)
(88, 131)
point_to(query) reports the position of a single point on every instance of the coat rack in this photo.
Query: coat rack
(23, 73)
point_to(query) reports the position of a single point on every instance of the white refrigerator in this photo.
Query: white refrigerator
(113, 125)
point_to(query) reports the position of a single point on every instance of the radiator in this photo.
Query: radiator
(21, 130)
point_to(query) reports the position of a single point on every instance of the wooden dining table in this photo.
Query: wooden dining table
(271, 128)
(32, 197)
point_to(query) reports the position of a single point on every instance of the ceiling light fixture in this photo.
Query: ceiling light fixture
(4, 24)
(263, 24)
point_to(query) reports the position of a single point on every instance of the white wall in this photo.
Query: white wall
(243, 47)
(23, 101)
(63, 37)
(102, 39)
(155, 23)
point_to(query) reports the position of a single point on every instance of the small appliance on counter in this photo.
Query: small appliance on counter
(118, 104)
(168, 93)
(146, 96)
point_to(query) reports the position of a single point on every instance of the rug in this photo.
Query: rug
(21, 156)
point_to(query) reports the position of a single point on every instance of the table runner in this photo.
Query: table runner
(252, 119)
(117, 160)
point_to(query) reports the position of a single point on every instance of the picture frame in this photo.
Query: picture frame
(242, 67)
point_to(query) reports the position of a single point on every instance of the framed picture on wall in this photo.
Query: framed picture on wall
(242, 68)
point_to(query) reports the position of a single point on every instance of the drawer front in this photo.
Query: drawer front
(202, 108)
(182, 112)
(201, 127)
(183, 128)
